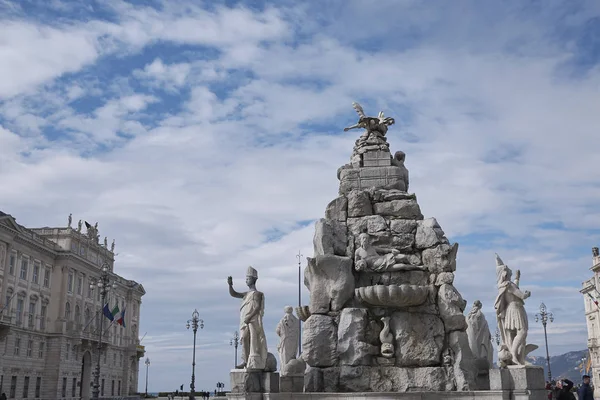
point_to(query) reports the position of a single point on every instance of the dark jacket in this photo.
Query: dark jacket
(565, 392)
(585, 392)
(3, 396)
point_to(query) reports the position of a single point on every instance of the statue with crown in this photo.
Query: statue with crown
(252, 334)
(512, 318)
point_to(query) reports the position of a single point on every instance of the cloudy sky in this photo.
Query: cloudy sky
(205, 137)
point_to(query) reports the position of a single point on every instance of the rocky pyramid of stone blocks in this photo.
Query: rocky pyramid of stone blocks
(384, 315)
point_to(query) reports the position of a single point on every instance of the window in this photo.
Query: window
(29, 347)
(36, 272)
(68, 311)
(24, 266)
(102, 388)
(67, 352)
(74, 387)
(17, 345)
(9, 295)
(31, 315)
(112, 388)
(105, 356)
(38, 386)
(19, 311)
(119, 389)
(11, 264)
(86, 318)
(47, 277)
(79, 285)
(89, 289)
(77, 314)
(43, 311)
(13, 386)
(70, 283)
(64, 388)
(26, 387)
(41, 351)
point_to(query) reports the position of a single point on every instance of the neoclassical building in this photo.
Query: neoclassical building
(591, 298)
(50, 315)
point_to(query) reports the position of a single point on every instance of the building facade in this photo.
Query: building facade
(591, 297)
(50, 311)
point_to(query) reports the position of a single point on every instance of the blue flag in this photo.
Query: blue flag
(107, 313)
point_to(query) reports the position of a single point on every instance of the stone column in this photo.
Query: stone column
(4, 286)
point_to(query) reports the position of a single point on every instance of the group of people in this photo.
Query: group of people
(563, 390)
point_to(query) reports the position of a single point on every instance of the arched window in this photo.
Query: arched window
(68, 311)
(77, 314)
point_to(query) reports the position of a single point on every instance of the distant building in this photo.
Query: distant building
(49, 315)
(591, 298)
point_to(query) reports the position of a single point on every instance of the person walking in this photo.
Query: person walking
(585, 391)
(3, 396)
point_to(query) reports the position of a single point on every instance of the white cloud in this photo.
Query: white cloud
(229, 174)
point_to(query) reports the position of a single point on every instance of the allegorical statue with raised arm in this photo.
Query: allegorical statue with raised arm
(252, 333)
(511, 315)
(478, 332)
(288, 330)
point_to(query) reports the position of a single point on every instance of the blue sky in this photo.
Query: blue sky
(205, 137)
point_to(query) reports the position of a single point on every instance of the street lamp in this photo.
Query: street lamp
(220, 386)
(147, 362)
(104, 285)
(544, 316)
(194, 323)
(299, 256)
(235, 342)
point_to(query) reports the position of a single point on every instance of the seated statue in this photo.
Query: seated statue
(367, 258)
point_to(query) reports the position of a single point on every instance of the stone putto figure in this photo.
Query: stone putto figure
(105, 242)
(79, 226)
(112, 245)
(367, 257)
(288, 330)
(511, 315)
(70, 220)
(478, 332)
(252, 333)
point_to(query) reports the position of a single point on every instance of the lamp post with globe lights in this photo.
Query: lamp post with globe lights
(147, 362)
(235, 342)
(195, 322)
(544, 316)
(104, 285)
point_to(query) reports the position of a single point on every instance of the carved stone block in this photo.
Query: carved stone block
(379, 158)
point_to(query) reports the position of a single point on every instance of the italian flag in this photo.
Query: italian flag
(115, 312)
(121, 318)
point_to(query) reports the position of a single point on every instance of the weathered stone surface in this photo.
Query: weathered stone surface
(371, 224)
(391, 177)
(441, 258)
(444, 277)
(379, 158)
(529, 378)
(379, 195)
(451, 306)
(337, 210)
(392, 278)
(419, 339)
(319, 341)
(353, 348)
(271, 364)
(330, 281)
(331, 379)
(291, 383)
(403, 226)
(313, 380)
(294, 367)
(243, 381)
(429, 234)
(395, 379)
(407, 209)
(330, 237)
(355, 379)
(465, 368)
(403, 242)
(359, 204)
